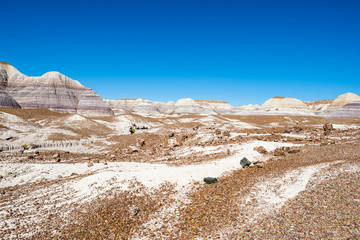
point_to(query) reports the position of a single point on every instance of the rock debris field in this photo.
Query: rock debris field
(67, 176)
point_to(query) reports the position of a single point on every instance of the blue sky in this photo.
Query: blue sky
(238, 51)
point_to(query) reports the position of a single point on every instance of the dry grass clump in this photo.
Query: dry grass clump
(114, 215)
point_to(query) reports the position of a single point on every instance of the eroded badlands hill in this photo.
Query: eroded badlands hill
(52, 90)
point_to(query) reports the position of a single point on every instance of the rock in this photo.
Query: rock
(58, 160)
(133, 149)
(328, 127)
(226, 133)
(245, 162)
(53, 91)
(259, 164)
(279, 152)
(292, 151)
(171, 135)
(297, 128)
(134, 211)
(56, 155)
(210, 180)
(31, 157)
(90, 164)
(140, 142)
(217, 132)
(261, 149)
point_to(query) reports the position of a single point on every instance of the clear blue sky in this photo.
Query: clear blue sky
(239, 51)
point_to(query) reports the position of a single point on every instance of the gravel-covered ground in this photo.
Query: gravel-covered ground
(308, 189)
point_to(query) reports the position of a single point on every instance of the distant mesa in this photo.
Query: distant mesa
(52, 90)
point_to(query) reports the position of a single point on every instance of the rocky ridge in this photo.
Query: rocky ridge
(57, 92)
(274, 106)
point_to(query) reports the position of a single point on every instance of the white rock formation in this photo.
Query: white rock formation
(190, 106)
(286, 105)
(344, 99)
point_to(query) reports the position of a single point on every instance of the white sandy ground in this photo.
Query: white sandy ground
(151, 175)
(91, 182)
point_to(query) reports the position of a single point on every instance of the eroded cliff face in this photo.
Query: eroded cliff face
(5, 99)
(52, 90)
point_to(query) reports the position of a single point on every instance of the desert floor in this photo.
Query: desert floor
(65, 176)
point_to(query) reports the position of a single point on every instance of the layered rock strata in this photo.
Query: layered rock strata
(54, 91)
(286, 105)
(350, 110)
(5, 99)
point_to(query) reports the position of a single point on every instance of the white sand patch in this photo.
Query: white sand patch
(153, 175)
(346, 126)
(186, 120)
(272, 194)
(75, 118)
(293, 135)
(274, 124)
